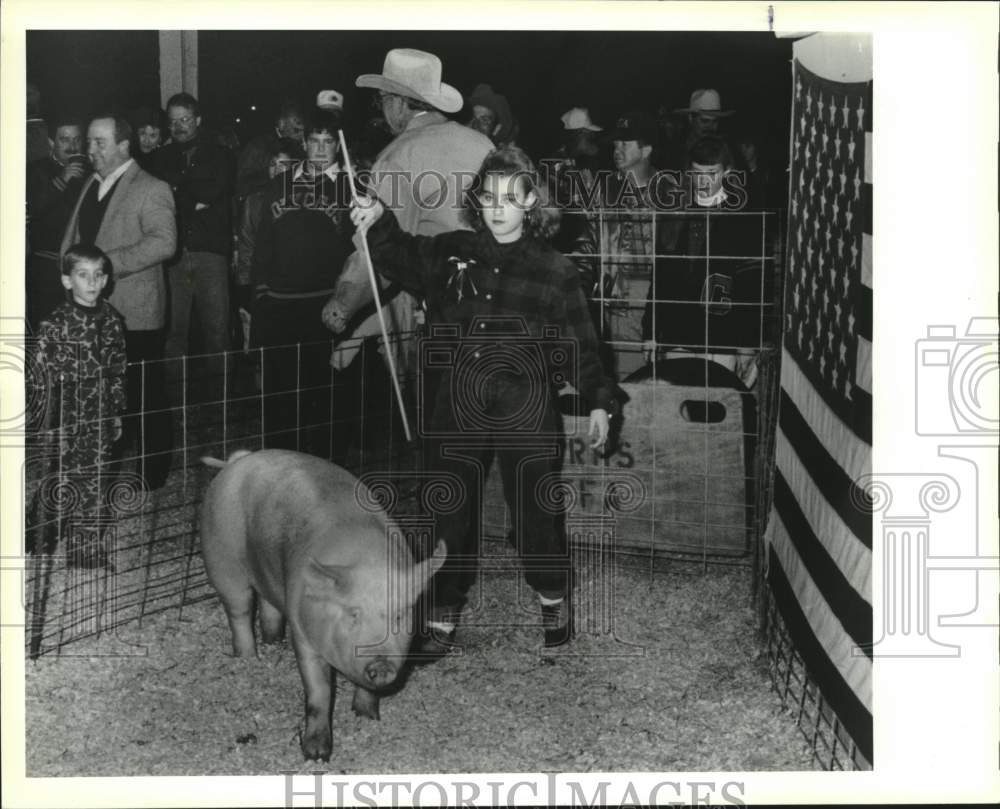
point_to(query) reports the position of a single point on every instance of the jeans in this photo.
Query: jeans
(528, 464)
(200, 282)
(295, 373)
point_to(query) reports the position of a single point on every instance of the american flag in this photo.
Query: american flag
(829, 311)
(819, 564)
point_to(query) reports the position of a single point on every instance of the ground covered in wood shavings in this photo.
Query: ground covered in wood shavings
(679, 685)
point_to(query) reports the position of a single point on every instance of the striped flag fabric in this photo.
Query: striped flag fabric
(820, 532)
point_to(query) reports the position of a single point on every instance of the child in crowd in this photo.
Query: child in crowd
(708, 296)
(79, 367)
(505, 314)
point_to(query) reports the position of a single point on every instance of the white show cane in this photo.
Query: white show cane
(375, 291)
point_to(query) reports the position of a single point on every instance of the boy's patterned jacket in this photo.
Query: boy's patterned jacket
(80, 353)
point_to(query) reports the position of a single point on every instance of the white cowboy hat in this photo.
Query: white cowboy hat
(579, 118)
(706, 102)
(415, 74)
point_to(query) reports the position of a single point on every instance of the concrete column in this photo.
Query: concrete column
(178, 63)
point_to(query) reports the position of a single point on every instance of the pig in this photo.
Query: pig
(290, 527)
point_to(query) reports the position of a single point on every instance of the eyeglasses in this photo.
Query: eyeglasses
(380, 98)
(184, 121)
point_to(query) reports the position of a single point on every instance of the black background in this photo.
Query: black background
(543, 73)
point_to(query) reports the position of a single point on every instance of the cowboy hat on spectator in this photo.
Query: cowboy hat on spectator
(414, 74)
(706, 102)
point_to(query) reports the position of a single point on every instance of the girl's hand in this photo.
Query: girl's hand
(599, 426)
(365, 212)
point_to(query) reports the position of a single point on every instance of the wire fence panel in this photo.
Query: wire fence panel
(685, 475)
(831, 744)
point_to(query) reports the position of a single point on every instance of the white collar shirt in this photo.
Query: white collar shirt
(112, 178)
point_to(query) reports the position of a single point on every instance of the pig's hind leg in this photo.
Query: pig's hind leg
(272, 622)
(238, 604)
(319, 684)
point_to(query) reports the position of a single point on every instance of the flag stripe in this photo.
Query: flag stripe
(838, 489)
(857, 720)
(864, 380)
(854, 666)
(852, 557)
(862, 416)
(849, 607)
(847, 449)
(863, 313)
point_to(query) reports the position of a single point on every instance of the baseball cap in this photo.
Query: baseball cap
(330, 100)
(635, 125)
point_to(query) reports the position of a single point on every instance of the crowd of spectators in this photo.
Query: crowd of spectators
(215, 246)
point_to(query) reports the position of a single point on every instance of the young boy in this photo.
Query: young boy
(79, 367)
(707, 292)
(302, 242)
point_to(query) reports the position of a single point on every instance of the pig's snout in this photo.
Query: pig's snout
(380, 672)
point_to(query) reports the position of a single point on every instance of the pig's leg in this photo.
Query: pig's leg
(318, 682)
(365, 703)
(238, 604)
(272, 622)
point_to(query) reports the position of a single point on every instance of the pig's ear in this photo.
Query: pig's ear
(326, 580)
(427, 568)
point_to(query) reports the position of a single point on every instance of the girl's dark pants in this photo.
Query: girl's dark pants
(507, 418)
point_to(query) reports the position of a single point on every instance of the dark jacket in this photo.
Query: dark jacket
(304, 235)
(50, 203)
(523, 296)
(712, 285)
(200, 173)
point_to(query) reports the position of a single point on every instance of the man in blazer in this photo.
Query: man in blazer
(129, 214)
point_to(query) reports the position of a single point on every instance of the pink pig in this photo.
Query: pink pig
(291, 527)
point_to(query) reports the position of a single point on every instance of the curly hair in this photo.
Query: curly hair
(541, 220)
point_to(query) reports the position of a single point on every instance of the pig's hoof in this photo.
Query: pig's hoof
(317, 749)
(365, 703)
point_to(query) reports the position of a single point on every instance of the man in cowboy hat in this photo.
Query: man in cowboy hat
(703, 114)
(489, 113)
(625, 238)
(421, 175)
